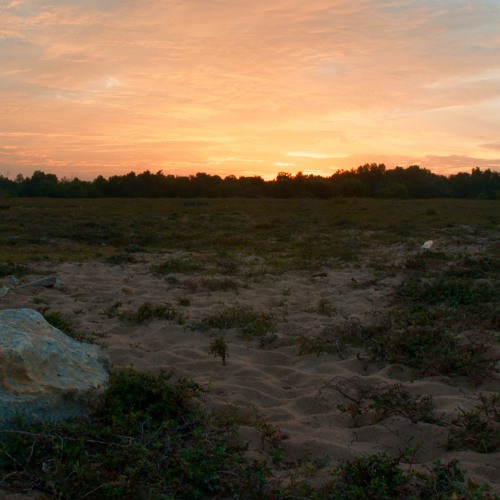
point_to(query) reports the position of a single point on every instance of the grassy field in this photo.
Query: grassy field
(307, 232)
(439, 318)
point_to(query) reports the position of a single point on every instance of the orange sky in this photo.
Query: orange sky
(247, 87)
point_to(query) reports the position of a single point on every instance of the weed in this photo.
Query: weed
(219, 347)
(477, 429)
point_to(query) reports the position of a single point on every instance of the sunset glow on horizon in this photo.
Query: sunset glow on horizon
(105, 87)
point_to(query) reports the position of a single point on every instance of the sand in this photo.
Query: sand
(274, 384)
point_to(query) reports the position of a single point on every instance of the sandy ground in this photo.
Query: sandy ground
(274, 384)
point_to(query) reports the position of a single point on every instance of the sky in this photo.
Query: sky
(239, 87)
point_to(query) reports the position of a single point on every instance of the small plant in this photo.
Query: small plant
(184, 302)
(325, 308)
(219, 347)
(477, 429)
(112, 310)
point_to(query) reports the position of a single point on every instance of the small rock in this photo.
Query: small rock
(12, 280)
(3, 291)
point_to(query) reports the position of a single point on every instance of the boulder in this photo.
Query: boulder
(44, 374)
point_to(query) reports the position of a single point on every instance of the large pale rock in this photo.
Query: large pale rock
(43, 372)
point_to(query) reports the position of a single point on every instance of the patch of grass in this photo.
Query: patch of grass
(57, 320)
(9, 268)
(324, 307)
(381, 401)
(120, 259)
(479, 428)
(426, 262)
(252, 324)
(222, 284)
(147, 312)
(453, 292)
(171, 266)
(113, 310)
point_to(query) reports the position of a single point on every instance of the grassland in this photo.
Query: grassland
(300, 232)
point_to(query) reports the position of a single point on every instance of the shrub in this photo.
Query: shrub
(146, 437)
(382, 400)
(219, 347)
(478, 429)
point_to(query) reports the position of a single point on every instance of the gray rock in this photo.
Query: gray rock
(44, 374)
(4, 291)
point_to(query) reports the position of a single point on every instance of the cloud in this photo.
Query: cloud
(492, 145)
(253, 81)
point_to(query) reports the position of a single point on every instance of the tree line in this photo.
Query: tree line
(370, 180)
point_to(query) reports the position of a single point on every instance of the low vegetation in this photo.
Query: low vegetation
(147, 436)
(251, 324)
(477, 429)
(381, 401)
